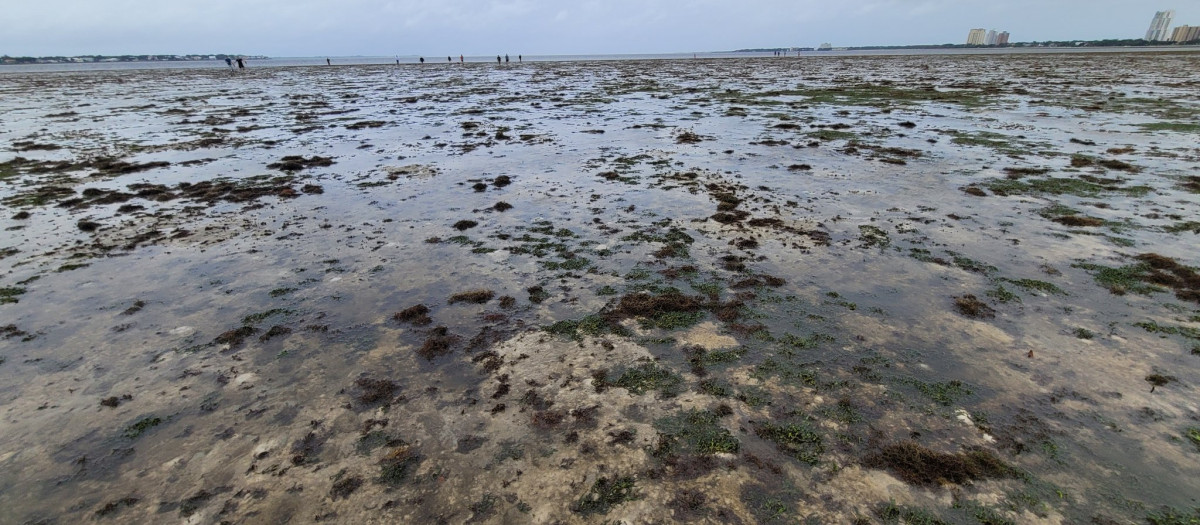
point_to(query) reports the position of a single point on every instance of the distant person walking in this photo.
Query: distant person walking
(497, 59)
(328, 63)
(422, 60)
(519, 59)
(229, 62)
(506, 59)
(241, 63)
(460, 59)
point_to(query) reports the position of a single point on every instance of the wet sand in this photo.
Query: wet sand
(916, 289)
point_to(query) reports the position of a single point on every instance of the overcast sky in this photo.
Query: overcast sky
(535, 27)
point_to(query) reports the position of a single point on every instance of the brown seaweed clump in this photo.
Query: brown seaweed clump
(114, 401)
(646, 305)
(547, 419)
(688, 504)
(1078, 220)
(440, 342)
(344, 487)
(1157, 380)
(115, 506)
(236, 336)
(757, 281)
(417, 315)
(298, 162)
(1191, 183)
(971, 306)
(918, 465)
(372, 391)
(307, 449)
(479, 296)
(1166, 271)
(729, 217)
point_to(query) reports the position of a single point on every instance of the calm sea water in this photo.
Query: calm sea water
(430, 60)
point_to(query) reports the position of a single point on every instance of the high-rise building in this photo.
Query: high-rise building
(990, 39)
(977, 37)
(1185, 33)
(1002, 38)
(1160, 26)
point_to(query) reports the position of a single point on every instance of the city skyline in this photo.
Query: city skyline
(1185, 33)
(984, 37)
(1160, 26)
(416, 27)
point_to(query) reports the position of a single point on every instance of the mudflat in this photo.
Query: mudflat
(918, 289)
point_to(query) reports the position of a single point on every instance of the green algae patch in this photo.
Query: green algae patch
(1062, 186)
(1036, 286)
(1004, 144)
(798, 440)
(644, 378)
(398, 465)
(140, 427)
(918, 465)
(605, 494)
(892, 513)
(883, 96)
(1174, 516)
(1153, 273)
(254, 319)
(9, 294)
(694, 432)
(944, 393)
(591, 325)
(1192, 435)
(1180, 127)
(1155, 328)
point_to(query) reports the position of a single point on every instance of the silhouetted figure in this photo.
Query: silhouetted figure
(519, 59)
(229, 62)
(241, 63)
(506, 59)
(328, 63)
(448, 59)
(497, 59)
(422, 60)
(460, 59)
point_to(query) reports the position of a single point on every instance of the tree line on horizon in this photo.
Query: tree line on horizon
(6, 59)
(1110, 42)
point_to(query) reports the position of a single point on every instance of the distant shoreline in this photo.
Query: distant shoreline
(6, 60)
(1068, 44)
(260, 62)
(111, 59)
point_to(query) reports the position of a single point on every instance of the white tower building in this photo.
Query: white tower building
(1159, 27)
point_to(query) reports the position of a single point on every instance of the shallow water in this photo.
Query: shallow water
(821, 216)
